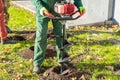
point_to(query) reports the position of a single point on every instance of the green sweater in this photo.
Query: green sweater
(49, 4)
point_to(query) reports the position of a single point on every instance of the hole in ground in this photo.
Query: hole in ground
(53, 73)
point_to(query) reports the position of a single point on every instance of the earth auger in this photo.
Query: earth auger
(66, 10)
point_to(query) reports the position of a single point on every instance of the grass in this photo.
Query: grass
(21, 19)
(102, 53)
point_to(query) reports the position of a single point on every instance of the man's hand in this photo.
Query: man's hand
(82, 11)
(44, 12)
(47, 14)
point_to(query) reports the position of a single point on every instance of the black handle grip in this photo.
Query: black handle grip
(68, 17)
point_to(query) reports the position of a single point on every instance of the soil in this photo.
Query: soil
(53, 73)
(117, 67)
(29, 53)
(16, 37)
(30, 35)
(26, 35)
(23, 35)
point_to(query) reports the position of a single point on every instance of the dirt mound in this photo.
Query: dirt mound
(53, 73)
(73, 74)
(117, 67)
(29, 53)
(22, 37)
(29, 35)
(16, 37)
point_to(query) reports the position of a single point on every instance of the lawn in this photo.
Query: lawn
(99, 47)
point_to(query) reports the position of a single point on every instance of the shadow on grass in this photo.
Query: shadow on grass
(101, 70)
(90, 42)
(88, 31)
(118, 33)
(93, 42)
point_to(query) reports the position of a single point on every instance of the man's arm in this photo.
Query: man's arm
(78, 4)
(38, 3)
(1, 6)
(43, 10)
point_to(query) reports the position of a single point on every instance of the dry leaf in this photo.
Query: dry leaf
(89, 57)
(31, 60)
(74, 78)
(18, 76)
(82, 77)
(2, 57)
(45, 74)
(6, 49)
(100, 58)
(5, 70)
(21, 65)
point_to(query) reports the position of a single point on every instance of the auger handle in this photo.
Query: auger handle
(68, 17)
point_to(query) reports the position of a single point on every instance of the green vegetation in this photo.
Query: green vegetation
(100, 58)
(21, 19)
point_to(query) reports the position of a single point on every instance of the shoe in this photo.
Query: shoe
(64, 68)
(65, 58)
(66, 55)
(36, 70)
(66, 43)
(8, 41)
(8, 29)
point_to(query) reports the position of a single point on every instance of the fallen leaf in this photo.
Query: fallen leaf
(74, 78)
(45, 74)
(89, 57)
(2, 57)
(21, 65)
(31, 60)
(5, 70)
(18, 76)
(100, 58)
(82, 77)
(6, 49)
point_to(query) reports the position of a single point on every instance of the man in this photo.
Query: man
(6, 6)
(3, 32)
(45, 11)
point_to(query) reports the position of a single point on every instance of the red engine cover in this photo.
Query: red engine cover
(67, 8)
